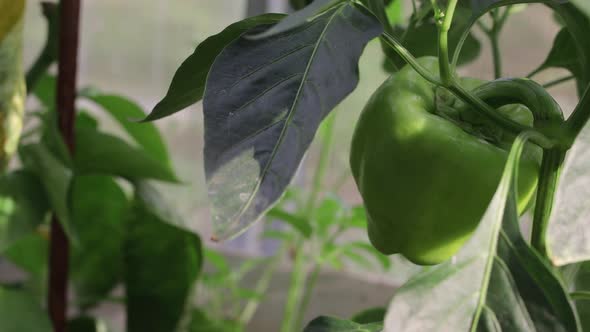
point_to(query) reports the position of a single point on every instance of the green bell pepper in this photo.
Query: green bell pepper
(427, 166)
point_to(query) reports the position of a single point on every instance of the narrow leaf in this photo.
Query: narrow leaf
(264, 102)
(299, 223)
(188, 84)
(100, 153)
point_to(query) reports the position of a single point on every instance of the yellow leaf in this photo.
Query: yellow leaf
(12, 81)
(10, 13)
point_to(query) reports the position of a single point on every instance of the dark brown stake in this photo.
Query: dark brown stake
(66, 96)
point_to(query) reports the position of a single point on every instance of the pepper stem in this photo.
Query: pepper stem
(548, 180)
(444, 19)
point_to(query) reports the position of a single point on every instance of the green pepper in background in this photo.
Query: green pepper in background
(12, 80)
(427, 171)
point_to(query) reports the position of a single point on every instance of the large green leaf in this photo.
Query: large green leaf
(568, 233)
(124, 110)
(100, 153)
(162, 262)
(56, 179)
(584, 5)
(496, 282)
(581, 283)
(99, 208)
(331, 324)
(200, 322)
(23, 206)
(188, 84)
(21, 312)
(264, 101)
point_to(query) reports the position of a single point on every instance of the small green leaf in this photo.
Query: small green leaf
(357, 218)
(56, 179)
(217, 260)
(299, 223)
(372, 315)
(369, 249)
(123, 111)
(100, 153)
(20, 311)
(200, 322)
(23, 206)
(331, 324)
(99, 207)
(328, 213)
(188, 84)
(357, 258)
(277, 235)
(162, 263)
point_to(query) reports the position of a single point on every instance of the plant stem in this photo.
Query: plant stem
(309, 287)
(496, 54)
(322, 166)
(576, 122)
(548, 180)
(262, 286)
(409, 58)
(66, 95)
(298, 276)
(558, 81)
(446, 73)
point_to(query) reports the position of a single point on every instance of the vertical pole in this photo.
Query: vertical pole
(255, 7)
(66, 95)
